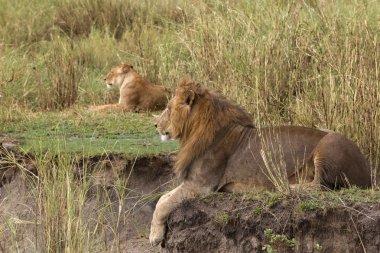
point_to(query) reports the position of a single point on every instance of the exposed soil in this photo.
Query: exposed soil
(228, 223)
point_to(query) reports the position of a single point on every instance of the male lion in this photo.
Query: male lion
(136, 94)
(220, 150)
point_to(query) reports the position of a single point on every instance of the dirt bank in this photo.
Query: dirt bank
(233, 223)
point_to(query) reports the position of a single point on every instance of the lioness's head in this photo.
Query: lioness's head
(117, 74)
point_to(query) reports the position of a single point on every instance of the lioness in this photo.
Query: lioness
(136, 94)
(221, 150)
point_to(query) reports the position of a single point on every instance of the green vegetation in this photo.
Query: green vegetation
(308, 205)
(257, 210)
(57, 212)
(62, 201)
(277, 241)
(87, 133)
(222, 218)
(268, 198)
(321, 199)
(317, 199)
(318, 247)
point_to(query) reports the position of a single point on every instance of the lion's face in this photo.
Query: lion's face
(173, 120)
(117, 74)
(161, 123)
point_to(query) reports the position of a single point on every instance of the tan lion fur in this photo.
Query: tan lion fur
(221, 150)
(136, 93)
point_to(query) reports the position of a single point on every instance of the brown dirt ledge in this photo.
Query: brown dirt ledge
(233, 223)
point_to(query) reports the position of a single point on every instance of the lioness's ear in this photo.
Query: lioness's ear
(126, 68)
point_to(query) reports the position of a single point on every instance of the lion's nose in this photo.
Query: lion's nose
(105, 79)
(155, 125)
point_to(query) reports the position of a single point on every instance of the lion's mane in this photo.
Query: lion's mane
(198, 126)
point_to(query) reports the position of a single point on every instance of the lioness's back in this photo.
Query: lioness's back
(154, 97)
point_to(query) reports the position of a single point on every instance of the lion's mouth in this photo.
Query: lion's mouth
(109, 86)
(165, 137)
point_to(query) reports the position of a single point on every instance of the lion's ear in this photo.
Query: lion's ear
(189, 97)
(185, 82)
(200, 90)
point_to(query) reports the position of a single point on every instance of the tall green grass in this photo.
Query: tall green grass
(68, 205)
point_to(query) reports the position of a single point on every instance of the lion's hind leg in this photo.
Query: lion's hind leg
(304, 177)
(111, 107)
(339, 163)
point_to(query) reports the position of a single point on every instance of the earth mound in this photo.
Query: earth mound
(234, 223)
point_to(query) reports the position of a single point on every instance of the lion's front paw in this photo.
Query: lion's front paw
(157, 233)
